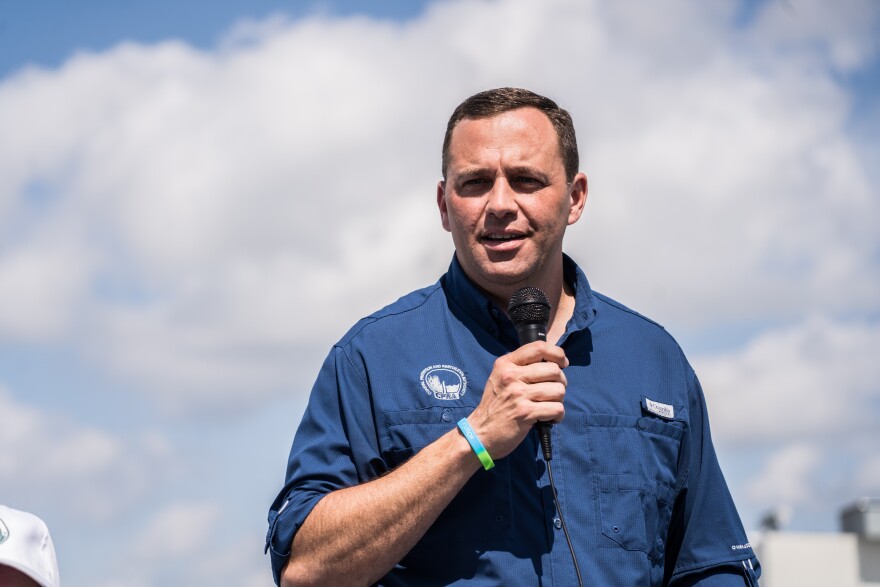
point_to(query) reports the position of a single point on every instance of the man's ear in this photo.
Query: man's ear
(578, 197)
(441, 204)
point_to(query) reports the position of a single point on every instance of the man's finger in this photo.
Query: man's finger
(538, 351)
(540, 372)
(546, 392)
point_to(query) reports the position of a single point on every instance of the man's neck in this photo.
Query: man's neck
(559, 293)
(564, 310)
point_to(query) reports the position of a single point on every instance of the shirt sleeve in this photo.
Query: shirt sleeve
(707, 544)
(335, 433)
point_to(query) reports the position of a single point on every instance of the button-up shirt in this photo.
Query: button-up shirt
(637, 479)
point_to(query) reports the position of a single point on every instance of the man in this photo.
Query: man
(27, 556)
(384, 487)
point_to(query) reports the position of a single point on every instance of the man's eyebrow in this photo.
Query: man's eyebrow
(528, 170)
(472, 171)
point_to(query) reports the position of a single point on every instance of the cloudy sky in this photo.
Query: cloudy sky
(196, 201)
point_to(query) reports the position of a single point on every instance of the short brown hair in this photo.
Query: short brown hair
(494, 102)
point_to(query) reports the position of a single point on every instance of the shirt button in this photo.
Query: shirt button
(557, 522)
(447, 416)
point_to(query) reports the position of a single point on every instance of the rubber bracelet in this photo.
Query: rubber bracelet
(475, 443)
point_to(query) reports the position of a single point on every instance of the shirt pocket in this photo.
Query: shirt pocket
(480, 514)
(634, 462)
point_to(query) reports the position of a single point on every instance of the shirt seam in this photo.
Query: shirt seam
(384, 313)
(354, 367)
(697, 566)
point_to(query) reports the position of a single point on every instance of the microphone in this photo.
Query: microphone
(529, 311)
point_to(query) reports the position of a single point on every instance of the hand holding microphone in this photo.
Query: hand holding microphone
(529, 311)
(526, 386)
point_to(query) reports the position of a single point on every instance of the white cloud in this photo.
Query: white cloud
(802, 400)
(192, 543)
(808, 28)
(42, 285)
(725, 193)
(814, 380)
(102, 474)
(234, 561)
(245, 204)
(27, 451)
(786, 477)
(178, 531)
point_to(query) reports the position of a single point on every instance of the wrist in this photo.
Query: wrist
(475, 443)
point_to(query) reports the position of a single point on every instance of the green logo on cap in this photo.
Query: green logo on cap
(4, 532)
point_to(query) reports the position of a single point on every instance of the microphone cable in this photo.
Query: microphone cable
(547, 449)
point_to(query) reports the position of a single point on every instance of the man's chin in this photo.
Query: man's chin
(500, 269)
(507, 274)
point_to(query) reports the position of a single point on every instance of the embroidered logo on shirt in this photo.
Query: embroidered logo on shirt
(4, 532)
(662, 410)
(444, 381)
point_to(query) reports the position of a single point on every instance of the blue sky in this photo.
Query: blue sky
(46, 32)
(197, 199)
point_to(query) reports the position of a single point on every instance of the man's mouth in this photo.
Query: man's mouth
(500, 238)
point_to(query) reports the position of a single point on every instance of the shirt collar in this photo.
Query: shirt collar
(584, 300)
(468, 298)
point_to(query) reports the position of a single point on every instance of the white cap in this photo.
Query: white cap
(25, 545)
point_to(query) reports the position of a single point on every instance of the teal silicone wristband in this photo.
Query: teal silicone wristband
(475, 443)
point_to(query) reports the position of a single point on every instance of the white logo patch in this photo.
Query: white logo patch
(662, 410)
(444, 381)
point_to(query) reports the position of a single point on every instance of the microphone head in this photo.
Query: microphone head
(528, 305)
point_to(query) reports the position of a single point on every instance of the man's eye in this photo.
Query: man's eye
(528, 182)
(475, 186)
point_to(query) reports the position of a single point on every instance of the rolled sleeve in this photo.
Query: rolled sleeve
(334, 427)
(734, 574)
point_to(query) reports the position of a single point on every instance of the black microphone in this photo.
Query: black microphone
(529, 311)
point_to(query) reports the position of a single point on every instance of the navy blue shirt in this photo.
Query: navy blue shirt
(636, 473)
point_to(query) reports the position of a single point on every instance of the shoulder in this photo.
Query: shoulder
(638, 329)
(618, 311)
(398, 316)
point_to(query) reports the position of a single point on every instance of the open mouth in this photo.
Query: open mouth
(502, 238)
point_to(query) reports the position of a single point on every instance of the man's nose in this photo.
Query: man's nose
(502, 199)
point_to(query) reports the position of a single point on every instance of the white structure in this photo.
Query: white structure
(826, 559)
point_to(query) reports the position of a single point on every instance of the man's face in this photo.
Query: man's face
(506, 201)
